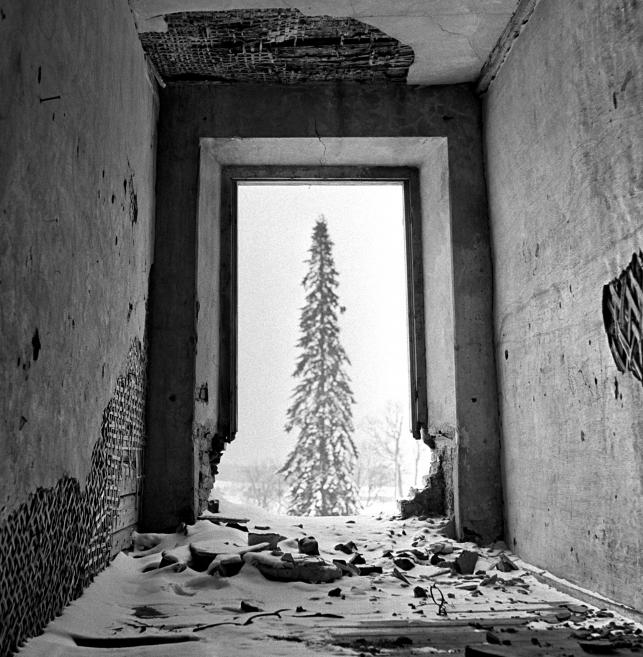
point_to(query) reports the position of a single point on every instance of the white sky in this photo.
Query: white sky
(275, 223)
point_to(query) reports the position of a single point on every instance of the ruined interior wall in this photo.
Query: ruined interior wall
(192, 111)
(564, 163)
(77, 159)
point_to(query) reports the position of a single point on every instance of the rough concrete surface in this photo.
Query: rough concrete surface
(77, 161)
(190, 112)
(564, 173)
(451, 39)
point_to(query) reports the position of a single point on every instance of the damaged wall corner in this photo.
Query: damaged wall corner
(437, 496)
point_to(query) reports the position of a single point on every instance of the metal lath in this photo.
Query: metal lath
(622, 313)
(55, 543)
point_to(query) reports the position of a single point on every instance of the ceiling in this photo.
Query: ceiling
(398, 41)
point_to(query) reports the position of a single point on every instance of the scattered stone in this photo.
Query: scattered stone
(599, 646)
(346, 548)
(200, 557)
(400, 576)
(420, 592)
(271, 539)
(467, 587)
(492, 638)
(236, 525)
(577, 609)
(505, 565)
(335, 593)
(298, 568)
(448, 531)
(357, 560)
(246, 607)
(466, 562)
(369, 570)
(404, 563)
(308, 545)
(262, 528)
(213, 506)
(346, 568)
(563, 615)
(167, 559)
(442, 548)
(227, 565)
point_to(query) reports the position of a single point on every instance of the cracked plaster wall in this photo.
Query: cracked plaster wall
(564, 163)
(77, 162)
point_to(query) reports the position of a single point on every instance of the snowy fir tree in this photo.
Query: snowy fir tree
(320, 469)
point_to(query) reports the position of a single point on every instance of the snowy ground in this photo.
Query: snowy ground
(205, 611)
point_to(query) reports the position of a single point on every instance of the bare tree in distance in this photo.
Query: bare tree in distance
(370, 476)
(264, 486)
(386, 434)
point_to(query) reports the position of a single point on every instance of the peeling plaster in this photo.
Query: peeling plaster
(451, 39)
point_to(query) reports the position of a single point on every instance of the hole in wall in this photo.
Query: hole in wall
(35, 345)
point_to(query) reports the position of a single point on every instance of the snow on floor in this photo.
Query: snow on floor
(124, 602)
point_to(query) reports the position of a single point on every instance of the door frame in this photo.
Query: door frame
(231, 176)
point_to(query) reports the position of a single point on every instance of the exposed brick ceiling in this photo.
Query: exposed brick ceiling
(413, 41)
(274, 45)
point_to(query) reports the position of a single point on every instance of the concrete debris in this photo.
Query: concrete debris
(370, 570)
(294, 567)
(226, 565)
(505, 565)
(215, 584)
(271, 539)
(466, 562)
(404, 563)
(308, 545)
(346, 568)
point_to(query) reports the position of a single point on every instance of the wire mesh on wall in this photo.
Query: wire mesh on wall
(54, 544)
(622, 316)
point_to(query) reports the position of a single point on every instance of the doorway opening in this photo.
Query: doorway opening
(368, 223)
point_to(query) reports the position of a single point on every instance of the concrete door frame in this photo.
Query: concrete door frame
(430, 156)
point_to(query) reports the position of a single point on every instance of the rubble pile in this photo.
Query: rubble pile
(285, 586)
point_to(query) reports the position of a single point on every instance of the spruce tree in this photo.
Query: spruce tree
(320, 469)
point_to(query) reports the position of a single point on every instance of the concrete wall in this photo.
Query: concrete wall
(564, 162)
(190, 112)
(77, 163)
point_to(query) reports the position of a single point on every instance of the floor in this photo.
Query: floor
(433, 595)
